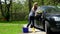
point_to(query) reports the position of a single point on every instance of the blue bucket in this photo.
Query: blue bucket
(25, 30)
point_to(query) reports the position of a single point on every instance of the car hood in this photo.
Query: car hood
(56, 17)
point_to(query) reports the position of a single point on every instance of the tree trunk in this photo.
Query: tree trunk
(30, 5)
(1, 9)
(11, 9)
(8, 10)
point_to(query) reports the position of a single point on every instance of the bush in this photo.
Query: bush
(26, 17)
(20, 16)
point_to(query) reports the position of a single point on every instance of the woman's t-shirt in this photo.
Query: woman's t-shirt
(32, 13)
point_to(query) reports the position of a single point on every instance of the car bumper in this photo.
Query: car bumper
(55, 30)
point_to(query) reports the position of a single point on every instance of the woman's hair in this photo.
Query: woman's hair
(34, 6)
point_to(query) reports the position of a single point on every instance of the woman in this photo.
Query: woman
(32, 14)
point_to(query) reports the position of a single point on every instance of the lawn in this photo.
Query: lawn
(14, 27)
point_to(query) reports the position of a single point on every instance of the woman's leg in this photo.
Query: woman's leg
(32, 22)
(29, 21)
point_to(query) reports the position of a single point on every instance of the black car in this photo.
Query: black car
(50, 21)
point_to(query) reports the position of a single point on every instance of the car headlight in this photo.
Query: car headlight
(56, 18)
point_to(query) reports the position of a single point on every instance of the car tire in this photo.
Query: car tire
(47, 28)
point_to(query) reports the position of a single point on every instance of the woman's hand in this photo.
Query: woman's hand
(35, 13)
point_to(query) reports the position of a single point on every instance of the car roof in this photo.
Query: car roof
(46, 7)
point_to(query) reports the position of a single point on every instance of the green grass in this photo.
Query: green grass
(16, 22)
(14, 27)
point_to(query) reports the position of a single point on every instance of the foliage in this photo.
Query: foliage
(19, 11)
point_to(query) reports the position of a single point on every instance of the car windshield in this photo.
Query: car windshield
(53, 10)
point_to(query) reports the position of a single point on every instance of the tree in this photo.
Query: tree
(42, 2)
(30, 4)
(8, 12)
(1, 8)
(7, 9)
(52, 2)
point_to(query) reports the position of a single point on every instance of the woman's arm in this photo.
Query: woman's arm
(35, 13)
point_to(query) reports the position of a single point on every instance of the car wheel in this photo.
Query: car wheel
(47, 28)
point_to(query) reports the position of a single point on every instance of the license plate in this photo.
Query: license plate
(58, 19)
